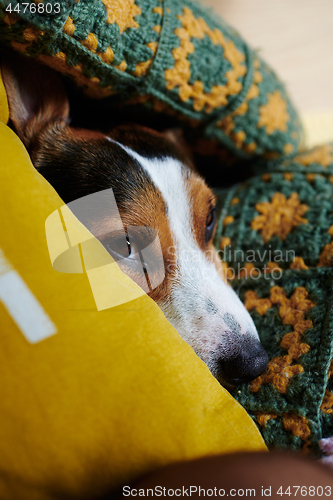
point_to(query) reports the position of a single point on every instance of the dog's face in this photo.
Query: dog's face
(155, 187)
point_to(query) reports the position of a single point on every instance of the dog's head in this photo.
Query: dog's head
(156, 188)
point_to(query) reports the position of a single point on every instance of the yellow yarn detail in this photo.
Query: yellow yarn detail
(158, 10)
(90, 42)
(142, 67)
(274, 115)
(288, 148)
(279, 216)
(225, 241)
(69, 27)
(228, 220)
(227, 124)
(180, 74)
(122, 12)
(106, 56)
(321, 154)
(122, 66)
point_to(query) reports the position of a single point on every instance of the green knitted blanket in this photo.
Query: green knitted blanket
(275, 235)
(171, 56)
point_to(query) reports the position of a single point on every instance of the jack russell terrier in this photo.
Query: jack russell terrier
(156, 186)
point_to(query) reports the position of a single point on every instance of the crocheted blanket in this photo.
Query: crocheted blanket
(171, 56)
(276, 237)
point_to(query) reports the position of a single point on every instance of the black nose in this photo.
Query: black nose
(246, 364)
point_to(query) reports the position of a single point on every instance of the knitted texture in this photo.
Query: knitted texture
(275, 234)
(171, 56)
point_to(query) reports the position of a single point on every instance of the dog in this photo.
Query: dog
(155, 186)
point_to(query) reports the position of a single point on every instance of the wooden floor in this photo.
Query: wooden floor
(296, 38)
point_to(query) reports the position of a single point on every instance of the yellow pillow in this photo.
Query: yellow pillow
(89, 400)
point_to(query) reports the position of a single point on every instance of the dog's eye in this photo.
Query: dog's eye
(132, 248)
(210, 223)
(121, 247)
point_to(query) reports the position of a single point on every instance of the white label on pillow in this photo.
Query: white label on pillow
(22, 305)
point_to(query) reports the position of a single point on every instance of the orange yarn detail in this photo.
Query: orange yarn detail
(298, 426)
(30, 34)
(330, 370)
(11, 18)
(122, 12)
(234, 201)
(180, 74)
(311, 177)
(273, 115)
(279, 217)
(325, 258)
(228, 220)
(327, 404)
(298, 263)
(263, 418)
(272, 266)
(288, 176)
(248, 268)
(292, 312)
(266, 177)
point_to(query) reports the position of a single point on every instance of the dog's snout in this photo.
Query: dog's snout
(246, 364)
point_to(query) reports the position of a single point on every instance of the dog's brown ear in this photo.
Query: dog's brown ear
(36, 96)
(176, 136)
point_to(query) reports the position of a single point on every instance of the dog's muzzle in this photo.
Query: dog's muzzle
(244, 362)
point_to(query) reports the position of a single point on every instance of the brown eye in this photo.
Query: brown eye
(210, 224)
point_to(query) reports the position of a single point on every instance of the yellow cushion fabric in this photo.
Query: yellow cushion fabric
(4, 112)
(107, 395)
